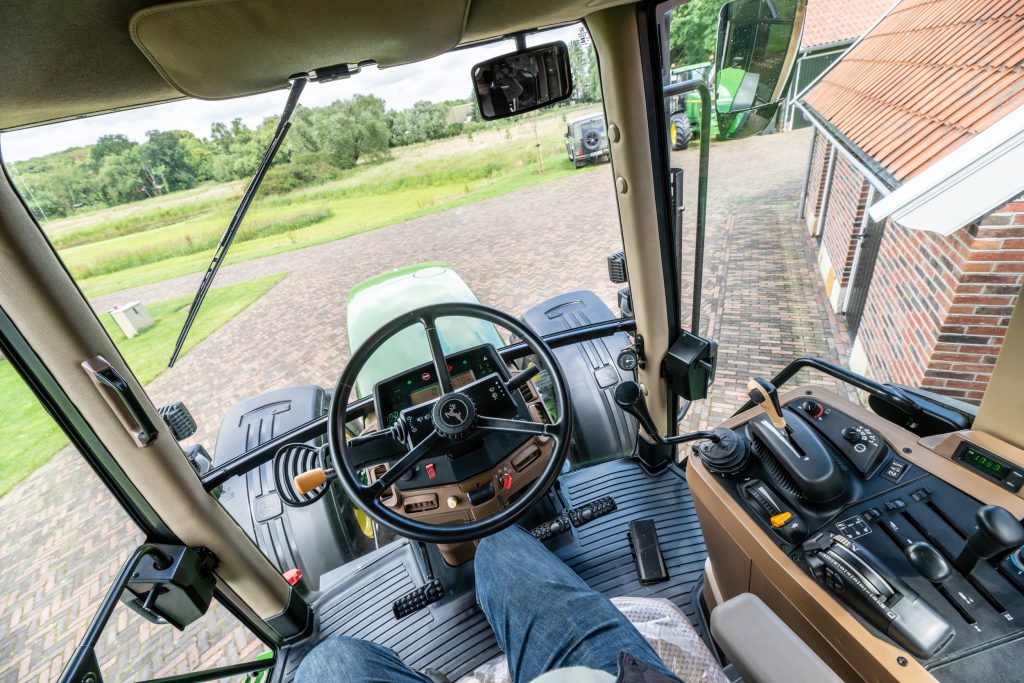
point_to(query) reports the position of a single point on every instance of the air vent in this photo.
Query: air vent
(421, 503)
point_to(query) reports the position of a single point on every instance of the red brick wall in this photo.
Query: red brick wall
(938, 306)
(816, 178)
(846, 202)
(973, 331)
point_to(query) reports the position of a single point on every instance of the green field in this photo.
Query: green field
(174, 235)
(30, 436)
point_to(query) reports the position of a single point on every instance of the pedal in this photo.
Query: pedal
(592, 510)
(555, 527)
(417, 599)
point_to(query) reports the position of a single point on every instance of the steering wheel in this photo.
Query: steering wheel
(454, 416)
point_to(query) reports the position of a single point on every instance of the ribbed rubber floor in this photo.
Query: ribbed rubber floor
(601, 554)
(454, 637)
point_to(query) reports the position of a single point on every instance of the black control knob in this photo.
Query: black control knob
(851, 435)
(998, 532)
(928, 562)
(629, 396)
(727, 457)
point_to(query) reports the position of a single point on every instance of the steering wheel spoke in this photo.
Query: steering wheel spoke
(499, 424)
(444, 378)
(404, 464)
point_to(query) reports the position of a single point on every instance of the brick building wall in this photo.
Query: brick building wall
(816, 180)
(843, 217)
(938, 307)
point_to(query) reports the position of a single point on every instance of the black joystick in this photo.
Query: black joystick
(630, 397)
(928, 562)
(998, 532)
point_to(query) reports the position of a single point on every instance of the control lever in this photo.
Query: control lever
(630, 397)
(998, 533)
(928, 562)
(859, 579)
(763, 393)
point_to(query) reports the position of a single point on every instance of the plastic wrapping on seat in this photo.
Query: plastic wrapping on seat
(663, 625)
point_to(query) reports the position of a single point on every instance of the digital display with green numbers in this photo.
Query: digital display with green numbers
(989, 465)
(986, 464)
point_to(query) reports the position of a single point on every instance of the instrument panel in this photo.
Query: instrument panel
(419, 385)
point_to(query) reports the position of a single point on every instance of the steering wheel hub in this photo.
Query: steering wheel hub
(454, 415)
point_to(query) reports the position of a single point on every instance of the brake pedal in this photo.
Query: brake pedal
(554, 527)
(417, 599)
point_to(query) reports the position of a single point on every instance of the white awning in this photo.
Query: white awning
(976, 178)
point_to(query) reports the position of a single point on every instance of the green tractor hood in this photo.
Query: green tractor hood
(382, 298)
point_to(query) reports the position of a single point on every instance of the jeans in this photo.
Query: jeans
(544, 616)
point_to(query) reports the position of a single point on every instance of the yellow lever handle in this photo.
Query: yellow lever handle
(763, 393)
(309, 480)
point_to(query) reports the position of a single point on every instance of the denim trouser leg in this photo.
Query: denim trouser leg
(545, 616)
(350, 660)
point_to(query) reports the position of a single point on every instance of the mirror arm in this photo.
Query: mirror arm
(704, 91)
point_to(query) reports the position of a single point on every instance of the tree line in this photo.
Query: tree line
(322, 142)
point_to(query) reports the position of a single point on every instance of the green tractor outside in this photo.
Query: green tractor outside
(684, 119)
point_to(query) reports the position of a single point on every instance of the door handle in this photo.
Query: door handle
(122, 400)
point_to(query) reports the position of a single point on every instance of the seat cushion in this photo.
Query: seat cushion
(663, 625)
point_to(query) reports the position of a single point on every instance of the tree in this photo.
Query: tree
(693, 31)
(107, 145)
(165, 160)
(345, 131)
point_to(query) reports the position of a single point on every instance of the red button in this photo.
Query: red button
(506, 481)
(293, 576)
(431, 472)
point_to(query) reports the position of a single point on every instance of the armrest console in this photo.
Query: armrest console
(760, 645)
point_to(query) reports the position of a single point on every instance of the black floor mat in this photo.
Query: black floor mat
(453, 636)
(601, 553)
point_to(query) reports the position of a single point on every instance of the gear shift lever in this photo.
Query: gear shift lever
(630, 397)
(998, 531)
(763, 393)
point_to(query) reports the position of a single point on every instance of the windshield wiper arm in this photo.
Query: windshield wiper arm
(297, 84)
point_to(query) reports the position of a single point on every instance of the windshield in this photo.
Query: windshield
(389, 193)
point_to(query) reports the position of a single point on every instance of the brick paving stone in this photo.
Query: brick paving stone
(64, 536)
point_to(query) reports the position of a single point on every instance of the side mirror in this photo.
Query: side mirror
(522, 81)
(757, 46)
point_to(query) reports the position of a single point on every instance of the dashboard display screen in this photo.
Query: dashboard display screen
(419, 385)
(986, 464)
(434, 391)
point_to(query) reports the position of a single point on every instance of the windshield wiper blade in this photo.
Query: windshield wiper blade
(298, 82)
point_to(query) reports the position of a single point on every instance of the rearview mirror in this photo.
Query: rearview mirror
(757, 46)
(522, 81)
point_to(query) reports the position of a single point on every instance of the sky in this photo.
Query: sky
(441, 78)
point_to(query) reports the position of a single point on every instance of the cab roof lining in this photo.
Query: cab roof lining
(64, 59)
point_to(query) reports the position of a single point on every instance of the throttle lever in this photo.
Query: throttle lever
(630, 397)
(763, 393)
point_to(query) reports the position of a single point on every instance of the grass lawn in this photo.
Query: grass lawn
(30, 436)
(171, 236)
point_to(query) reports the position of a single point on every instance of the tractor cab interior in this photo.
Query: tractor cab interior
(809, 536)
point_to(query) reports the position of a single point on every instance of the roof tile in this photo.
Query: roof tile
(836, 21)
(929, 76)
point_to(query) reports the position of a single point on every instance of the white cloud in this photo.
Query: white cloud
(441, 78)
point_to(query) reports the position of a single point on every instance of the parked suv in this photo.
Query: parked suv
(586, 138)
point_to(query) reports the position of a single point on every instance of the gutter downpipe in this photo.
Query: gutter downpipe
(865, 220)
(801, 206)
(819, 228)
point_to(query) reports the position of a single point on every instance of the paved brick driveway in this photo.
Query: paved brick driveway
(762, 300)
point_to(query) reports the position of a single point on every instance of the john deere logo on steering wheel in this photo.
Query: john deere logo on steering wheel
(453, 413)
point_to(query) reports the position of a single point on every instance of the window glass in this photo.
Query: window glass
(389, 191)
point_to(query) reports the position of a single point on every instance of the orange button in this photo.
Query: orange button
(781, 519)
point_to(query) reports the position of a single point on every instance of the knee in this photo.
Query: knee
(499, 552)
(334, 658)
